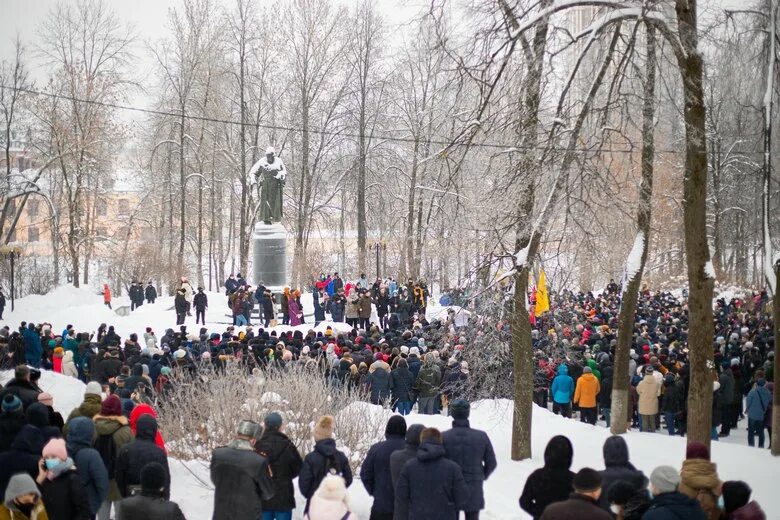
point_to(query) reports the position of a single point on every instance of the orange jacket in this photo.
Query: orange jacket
(587, 389)
(106, 294)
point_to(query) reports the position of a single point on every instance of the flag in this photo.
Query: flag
(542, 298)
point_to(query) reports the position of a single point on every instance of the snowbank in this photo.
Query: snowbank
(192, 489)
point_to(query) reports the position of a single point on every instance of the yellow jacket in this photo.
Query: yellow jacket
(588, 388)
(38, 513)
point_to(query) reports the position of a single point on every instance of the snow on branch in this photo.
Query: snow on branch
(634, 260)
(709, 270)
(561, 5)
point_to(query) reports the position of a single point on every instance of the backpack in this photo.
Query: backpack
(266, 483)
(106, 446)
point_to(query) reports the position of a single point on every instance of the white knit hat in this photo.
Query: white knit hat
(93, 388)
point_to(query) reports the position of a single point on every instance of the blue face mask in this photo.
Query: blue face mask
(52, 463)
(721, 503)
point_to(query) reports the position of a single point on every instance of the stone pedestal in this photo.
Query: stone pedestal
(269, 256)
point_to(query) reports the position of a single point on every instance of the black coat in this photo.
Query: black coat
(605, 393)
(147, 506)
(672, 400)
(65, 498)
(180, 304)
(23, 456)
(318, 463)
(473, 452)
(618, 468)
(402, 382)
(134, 456)
(285, 464)
(10, 424)
(375, 473)
(201, 301)
(551, 483)
(107, 368)
(578, 506)
(237, 472)
(23, 389)
(151, 292)
(674, 506)
(444, 492)
(399, 458)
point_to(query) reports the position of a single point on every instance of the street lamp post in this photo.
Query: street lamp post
(377, 248)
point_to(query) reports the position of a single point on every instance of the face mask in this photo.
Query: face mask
(615, 509)
(721, 503)
(52, 463)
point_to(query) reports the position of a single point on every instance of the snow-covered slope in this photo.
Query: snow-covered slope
(191, 487)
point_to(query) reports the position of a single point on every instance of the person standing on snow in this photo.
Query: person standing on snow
(285, 462)
(551, 483)
(201, 302)
(585, 394)
(150, 293)
(189, 293)
(562, 390)
(472, 450)
(375, 471)
(180, 304)
(649, 390)
(106, 295)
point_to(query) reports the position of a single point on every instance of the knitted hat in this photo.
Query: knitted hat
(55, 449)
(735, 495)
(396, 425)
(332, 488)
(324, 428)
(11, 403)
(414, 351)
(46, 398)
(20, 484)
(587, 370)
(460, 409)
(649, 370)
(664, 479)
(587, 480)
(111, 407)
(620, 493)
(697, 450)
(166, 371)
(179, 354)
(273, 421)
(93, 388)
(734, 362)
(153, 477)
(404, 349)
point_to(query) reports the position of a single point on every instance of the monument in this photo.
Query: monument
(269, 239)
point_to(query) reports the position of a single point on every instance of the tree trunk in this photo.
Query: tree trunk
(697, 251)
(621, 377)
(766, 235)
(182, 198)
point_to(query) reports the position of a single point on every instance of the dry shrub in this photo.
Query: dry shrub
(201, 414)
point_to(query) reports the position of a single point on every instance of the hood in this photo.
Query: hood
(563, 370)
(592, 364)
(606, 372)
(615, 451)
(29, 440)
(138, 369)
(430, 451)
(146, 428)
(109, 425)
(396, 427)
(80, 432)
(67, 357)
(38, 415)
(325, 447)
(413, 435)
(138, 411)
(558, 453)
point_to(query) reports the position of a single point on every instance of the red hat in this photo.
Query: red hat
(646, 348)
(112, 406)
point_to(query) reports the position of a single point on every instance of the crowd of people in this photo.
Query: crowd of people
(394, 356)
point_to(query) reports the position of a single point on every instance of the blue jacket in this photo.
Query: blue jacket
(444, 493)
(375, 473)
(562, 386)
(32, 346)
(473, 452)
(380, 383)
(88, 461)
(758, 400)
(674, 506)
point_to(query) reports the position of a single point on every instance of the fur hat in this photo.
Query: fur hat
(324, 428)
(93, 388)
(55, 449)
(414, 351)
(664, 479)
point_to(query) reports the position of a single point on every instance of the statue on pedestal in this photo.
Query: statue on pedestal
(269, 174)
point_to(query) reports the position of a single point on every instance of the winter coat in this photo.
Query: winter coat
(201, 301)
(319, 310)
(445, 491)
(379, 383)
(188, 291)
(32, 346)
(672, 400)
(648, 389)
(121, 435)
(329, 509)
(699, 480)
(22, 389)
(577, 506)
(148, 506)
(674, 506)
(758, 401)
(238, 473)
(295, 312)
(337, 306)
(605, 394)
(364, 306)
(400, 457)
(454, 383)
(750, 511)
(150, 293)
(322, 460)
(107, 368)
(587, 390)
(352, 308)
(38, 513)
(138, 412)
(428, 380)
(135, 455)
(68, 365)
(285, 462)
(375, 473)
(551, 483)
(472, 450)
(65, 497)
(727, 383)
(402, 382)
(562, 386)
(88, 462)
(617, 468)
(10, 425)
(23, 456)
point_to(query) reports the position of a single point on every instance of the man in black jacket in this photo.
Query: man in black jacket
(150, 293)
(181, 306)
(240, 476)
(553, 482)
(409, 452)
(473, 452)
(324, 459)
(285, 462)
(375, 472)
(152, 501)
(617, 468)
(201, 303)
(583, 502)
(134, 456)
(22, 387)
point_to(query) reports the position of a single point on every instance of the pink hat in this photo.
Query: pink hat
(55, 449)
(46, 398)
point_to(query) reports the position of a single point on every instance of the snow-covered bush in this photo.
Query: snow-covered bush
(200, 414)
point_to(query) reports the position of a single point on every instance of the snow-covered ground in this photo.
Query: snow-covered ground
(191, 486)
